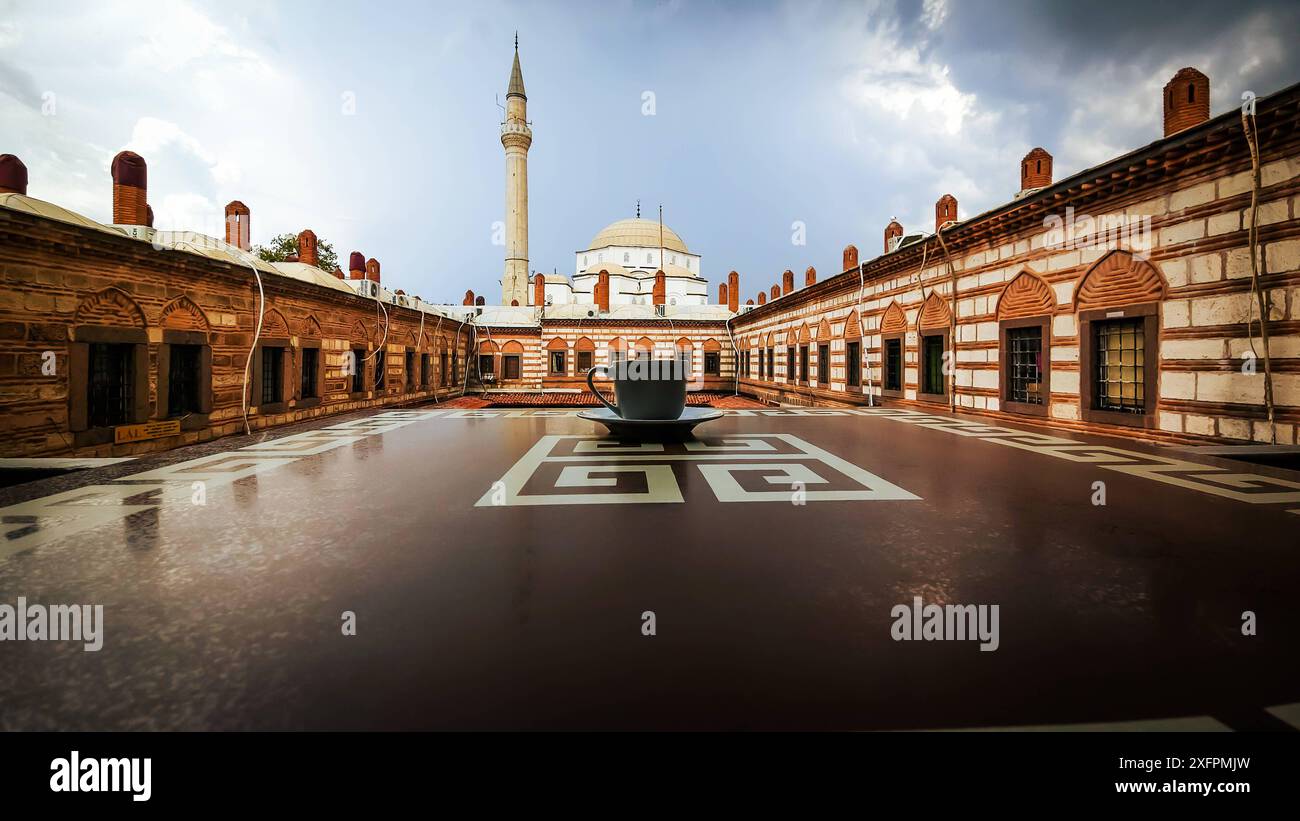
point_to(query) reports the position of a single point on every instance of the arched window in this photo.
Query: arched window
(932, 326)
(557, 357)
(109, 367)
(185, 363)
(1118, 304)
(1024, 312)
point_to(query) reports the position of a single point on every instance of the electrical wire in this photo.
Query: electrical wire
(952, 319)
(257, 335)
(1251, 129)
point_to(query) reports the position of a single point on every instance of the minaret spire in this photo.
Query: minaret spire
(516, 137)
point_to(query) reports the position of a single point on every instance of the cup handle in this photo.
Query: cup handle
(604, 372)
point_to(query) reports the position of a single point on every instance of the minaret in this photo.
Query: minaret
(516, 137)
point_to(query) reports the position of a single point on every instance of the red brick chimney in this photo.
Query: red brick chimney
(238, 232)
(810, 276)
(733, 292)
(602, 291)
(762, 297)
(787, 281)
(1187, 100)
(372, 269)
(1036, 170)
(13, 175)
(130, 189)
(356, 265)
(850, 257)
(307, 248)
(776, 292)
(892, 231)
(749, 302)
(660, 294)
(338, 272)
(722, 294)
(469, 298)
(945, 210)
(539, 290)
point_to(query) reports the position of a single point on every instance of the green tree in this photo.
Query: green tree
(282, 246)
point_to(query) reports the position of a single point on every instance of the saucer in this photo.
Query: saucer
(651, 428)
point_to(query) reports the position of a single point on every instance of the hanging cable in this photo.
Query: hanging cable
(1250, 128)
(437, 336)
(257, 335)
(952, 320)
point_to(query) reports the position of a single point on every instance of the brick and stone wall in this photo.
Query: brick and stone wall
(662, 338)
(1191, 271)
(64, 284)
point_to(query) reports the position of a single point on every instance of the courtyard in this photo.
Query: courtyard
(462, 568)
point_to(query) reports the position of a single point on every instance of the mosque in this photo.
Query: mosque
(630, 253)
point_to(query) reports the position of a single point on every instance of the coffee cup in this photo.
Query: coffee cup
(644, 389)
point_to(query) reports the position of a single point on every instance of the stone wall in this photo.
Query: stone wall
(63, 286)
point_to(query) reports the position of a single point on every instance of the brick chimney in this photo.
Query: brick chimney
(850, 257)
(749, 302)
(238, 232)
(1187, 100)
(372, 269)
(356, 265)
(945, 210)
(480, 301)
(660, 294)
(130, 189)
(13, 175)
(338, 272)
(469, 298)
(776, 292)
(892, 231)
(733, 292)
(1035, 170)
(787, 282)
(722, 294)
(762, 297)
(539, 290)
(307, 248)
(810, 276)
(602, 291)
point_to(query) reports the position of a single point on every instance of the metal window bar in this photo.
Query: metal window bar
(893, 364)
(272, 374)
(183, 380)
(1120, 369)
(110, 385)
(1026, 365)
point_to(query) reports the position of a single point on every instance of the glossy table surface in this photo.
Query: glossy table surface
(499, 567)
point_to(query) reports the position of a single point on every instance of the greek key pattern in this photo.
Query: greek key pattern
(752, 467)
(1252, 488)
(37, 522)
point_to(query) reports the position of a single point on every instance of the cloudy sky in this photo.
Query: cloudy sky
(838, 116)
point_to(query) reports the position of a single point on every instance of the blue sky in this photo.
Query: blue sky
(836, 115)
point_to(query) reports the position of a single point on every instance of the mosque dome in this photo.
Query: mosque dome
(637, 233)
